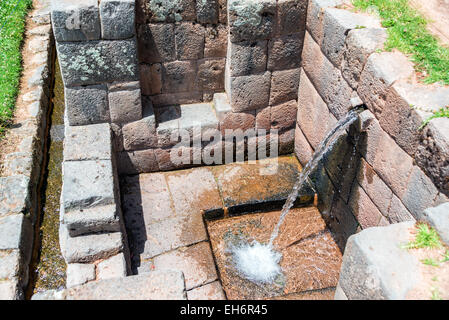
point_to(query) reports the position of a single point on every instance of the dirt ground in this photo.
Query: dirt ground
(437, 12)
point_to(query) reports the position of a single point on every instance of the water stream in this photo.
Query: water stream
(259, 262)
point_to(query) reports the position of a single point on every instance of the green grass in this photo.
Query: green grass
(407, 32)
(12, 13)
(426, 237)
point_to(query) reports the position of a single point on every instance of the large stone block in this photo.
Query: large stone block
(87, 104)
(291, 16)
(14, 194)
(243, 93)
(89, 248)
(263, 118)
(420, 193)
(374, 186)
(216, 41)
(312, 110)
(11, 264)
(16, 233)
(397, 212)
(303, 150)
(196, 263)
(438, 218)
(136, 162)
(11, 290)
(151, 79)
(179, 76)
(156, 42)
(315, 16)
(156, 285)
(211, 74)
(92, 62)
(210, 291)
(336, 25)
(238, 120)
(114, 267)
(94, 219)
(365, 211)
(171, 10)
(87, 184)
(433, 150)
(375, 267)
(360, 44)
(189, 39)
(284, 86)
(141, 134)
(207, 11)
(117, 19)
(250, 20)
(283, 116)
(392, 163)
(406, 107)
(285, 52)
(380, 72)
(75, 21)
(168, 125)
(246, 58)
(92, 142)
(125, 103)
(199, 115)
(79, 273)
(327, 79)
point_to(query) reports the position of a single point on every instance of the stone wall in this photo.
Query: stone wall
(182, 49)
(401, 170)
(97, 51)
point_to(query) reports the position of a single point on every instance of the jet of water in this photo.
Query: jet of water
(341, 125)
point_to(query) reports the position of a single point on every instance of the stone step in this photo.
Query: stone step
(172, 119)
(377, 266)
(155, 285)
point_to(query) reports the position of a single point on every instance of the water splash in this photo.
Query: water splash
(260, 262)
(257, 262)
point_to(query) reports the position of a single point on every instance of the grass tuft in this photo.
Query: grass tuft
(12, 14)
(407, 32)
(426, 237)
(441, 113)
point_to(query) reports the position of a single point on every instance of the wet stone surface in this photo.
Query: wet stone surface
(50, 271)
(310, 258)
(164, 216)
(267, 180)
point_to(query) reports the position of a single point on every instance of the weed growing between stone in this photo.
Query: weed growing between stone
(12, 25)
(426, 237)
(441, 113)
(407, 32)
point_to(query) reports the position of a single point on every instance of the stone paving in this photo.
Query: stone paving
(164, 216)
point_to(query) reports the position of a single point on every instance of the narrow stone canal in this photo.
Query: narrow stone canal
(50, 269)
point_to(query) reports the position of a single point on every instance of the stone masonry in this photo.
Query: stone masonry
(401, 169)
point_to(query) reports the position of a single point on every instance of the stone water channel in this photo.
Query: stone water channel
(49, 267)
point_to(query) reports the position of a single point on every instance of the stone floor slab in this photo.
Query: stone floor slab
(196, 262)
(311, 259)
(210, 291)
